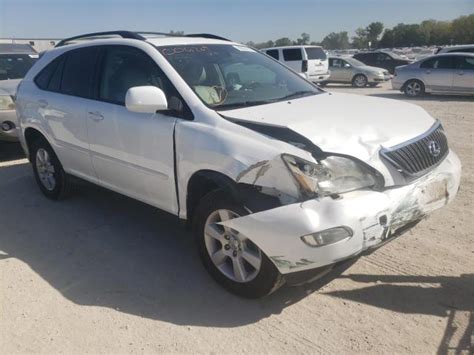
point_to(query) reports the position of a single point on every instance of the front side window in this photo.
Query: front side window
(383, 57)
(335, 63)
(15, 66)
(125, 67)
(292, 54)
(465, 63)
(438, 63)
(227, 76)
(78, 72)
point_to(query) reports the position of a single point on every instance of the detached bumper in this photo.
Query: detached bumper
(373, 217)
(8, 117)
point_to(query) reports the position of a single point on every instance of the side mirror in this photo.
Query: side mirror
(145, 99)
(347, 65)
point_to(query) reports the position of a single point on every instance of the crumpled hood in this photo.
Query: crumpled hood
(342, 123)
(8, 87)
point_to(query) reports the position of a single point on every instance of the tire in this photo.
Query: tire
(414, 88)
(261, 281)
(49, 173)
(373, 85)
(323, 84)
(359, 81)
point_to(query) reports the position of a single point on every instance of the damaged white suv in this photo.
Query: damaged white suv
(278, 179)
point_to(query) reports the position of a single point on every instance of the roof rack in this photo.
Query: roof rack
(133, 35)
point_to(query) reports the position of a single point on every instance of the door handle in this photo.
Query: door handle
(42, 103)
(96, 116)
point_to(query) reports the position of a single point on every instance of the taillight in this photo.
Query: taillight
(304, 66)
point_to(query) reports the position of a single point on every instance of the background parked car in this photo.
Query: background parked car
(310, 61)
(386, 60)
(351, 71)
(444, 73)
(15, 61)
(467, 48)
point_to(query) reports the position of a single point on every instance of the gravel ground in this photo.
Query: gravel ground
(101, 273)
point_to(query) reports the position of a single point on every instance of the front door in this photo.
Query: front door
(463, 78)
(131, 152)
(438, 73)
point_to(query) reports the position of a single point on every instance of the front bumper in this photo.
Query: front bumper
(9, 116)
(372, 216)
(378, 79)
(397, 84)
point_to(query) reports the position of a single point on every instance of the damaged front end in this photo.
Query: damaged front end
(311, 214)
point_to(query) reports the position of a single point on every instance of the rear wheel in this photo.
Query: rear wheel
(414, 88)
(359, 81)
(49, 174)
(231, 258)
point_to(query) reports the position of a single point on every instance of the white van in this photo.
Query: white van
(310, 62)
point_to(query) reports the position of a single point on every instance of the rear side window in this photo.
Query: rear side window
(273, 53)
(43, 78)
(292, 54)
(78, 72)
(315, 53)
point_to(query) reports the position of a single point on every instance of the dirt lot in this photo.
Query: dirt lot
(102, 273)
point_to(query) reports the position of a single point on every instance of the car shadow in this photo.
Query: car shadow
(103, 249)
(10, 151)
(442, 296)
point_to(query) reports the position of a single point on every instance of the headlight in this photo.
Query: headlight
(6, 103)
(332, 175)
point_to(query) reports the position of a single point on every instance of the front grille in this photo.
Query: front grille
(421, 154)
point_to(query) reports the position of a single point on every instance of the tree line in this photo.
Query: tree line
(375, 35)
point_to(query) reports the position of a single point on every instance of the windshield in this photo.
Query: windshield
(354, 62)
(228, 76)
(15, 66)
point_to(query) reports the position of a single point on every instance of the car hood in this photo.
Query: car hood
(8, 87)
(342, 123)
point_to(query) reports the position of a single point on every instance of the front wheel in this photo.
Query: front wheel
(414, 88)
(231, 258)
(359, 81)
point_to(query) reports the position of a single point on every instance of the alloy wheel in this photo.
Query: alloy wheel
(238, 258)
(413, 88)
(45, 169)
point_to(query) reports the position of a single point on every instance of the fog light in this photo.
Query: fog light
(328, 236)
(7, 126)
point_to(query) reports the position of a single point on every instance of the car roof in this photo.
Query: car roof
(170, 41)
(16, 48)
(291, 47)
(457, 54)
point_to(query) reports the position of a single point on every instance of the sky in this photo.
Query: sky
(239, 20)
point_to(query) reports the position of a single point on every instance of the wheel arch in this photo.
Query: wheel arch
(402, 88)
(32, 134)
(201, 183)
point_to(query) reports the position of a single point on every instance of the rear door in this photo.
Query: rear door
(66, 92)
(463, 78)
(317, 60)
(293, 58)
(438, 73)
(132, 153)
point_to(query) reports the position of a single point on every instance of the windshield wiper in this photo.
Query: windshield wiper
(242, 104)
(296, 95)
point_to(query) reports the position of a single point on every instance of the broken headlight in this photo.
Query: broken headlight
(332, 175)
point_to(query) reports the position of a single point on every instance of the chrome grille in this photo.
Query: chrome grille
(419, 155)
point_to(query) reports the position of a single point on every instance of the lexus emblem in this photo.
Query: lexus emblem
(434, 148)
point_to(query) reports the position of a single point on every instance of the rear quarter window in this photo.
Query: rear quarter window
(315, 53)
(292, 54)
(273, 53)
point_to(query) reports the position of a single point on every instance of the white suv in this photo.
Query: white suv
(311, 62)
(278, 179)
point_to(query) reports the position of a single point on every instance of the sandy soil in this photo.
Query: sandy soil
(102, 273)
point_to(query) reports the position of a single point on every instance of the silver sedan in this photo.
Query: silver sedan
(350, 70)
(451, 73)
